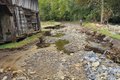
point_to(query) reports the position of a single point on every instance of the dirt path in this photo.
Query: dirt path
(50, 64)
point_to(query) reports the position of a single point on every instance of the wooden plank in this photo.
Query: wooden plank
(27, 4)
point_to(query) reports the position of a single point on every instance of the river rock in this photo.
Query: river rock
(1, 70)
(95, 64)
(21, 78)
(91, 56)
(103, 67)
(5, 78)
(17, 72)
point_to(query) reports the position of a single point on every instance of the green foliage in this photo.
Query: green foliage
(70, 10)
(59, 10)
(60, 44)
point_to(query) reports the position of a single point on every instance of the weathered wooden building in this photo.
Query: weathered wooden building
(18, 18)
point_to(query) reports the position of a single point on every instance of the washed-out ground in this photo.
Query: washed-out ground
(49, 63)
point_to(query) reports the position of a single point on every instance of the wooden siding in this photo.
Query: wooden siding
(27, 4)
(6, 23)
(18, 18)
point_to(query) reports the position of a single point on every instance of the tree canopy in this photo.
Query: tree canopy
(79, 9)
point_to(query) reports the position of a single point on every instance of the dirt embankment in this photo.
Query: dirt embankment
(103, 44)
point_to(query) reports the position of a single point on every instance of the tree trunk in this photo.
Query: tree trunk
(102, 11)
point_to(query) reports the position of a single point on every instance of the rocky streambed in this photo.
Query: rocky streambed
(97, 55)
(88, 58)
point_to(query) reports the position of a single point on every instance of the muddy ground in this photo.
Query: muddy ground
(33, 63)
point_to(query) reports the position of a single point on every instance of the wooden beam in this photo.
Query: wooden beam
(38, 21)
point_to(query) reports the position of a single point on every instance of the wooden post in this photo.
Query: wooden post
(38, 21)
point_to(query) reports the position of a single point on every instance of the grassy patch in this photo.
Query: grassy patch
(58, 35)
(60, 44)
(21, 43)
(108, 33)
(101, 30)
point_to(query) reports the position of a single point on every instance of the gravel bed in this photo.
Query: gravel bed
(98, 67)
(46, 65)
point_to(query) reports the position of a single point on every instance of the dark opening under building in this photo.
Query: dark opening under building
(18, 18)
